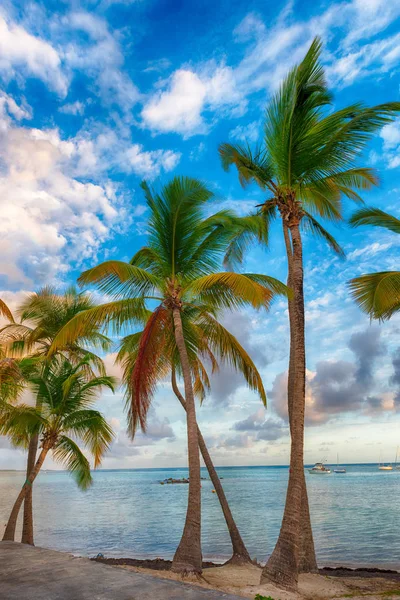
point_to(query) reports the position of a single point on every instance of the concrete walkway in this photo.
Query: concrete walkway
(28, 573)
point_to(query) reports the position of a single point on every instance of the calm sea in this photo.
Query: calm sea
(356, 517)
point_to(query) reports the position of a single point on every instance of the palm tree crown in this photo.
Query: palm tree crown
(65, 409)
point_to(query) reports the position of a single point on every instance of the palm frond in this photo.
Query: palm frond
(68, 453)
(151, 363)
(120, 279)
(375, 217)
(229, 290)
(377, 294)
(309, 223)
(85, 324)
(5, 311)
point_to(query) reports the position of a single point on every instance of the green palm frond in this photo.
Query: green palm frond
(68, 453)
(309, 223)
(120, 279)
(19, 422)
(375, 217)
(229, 289)
(114, 314)
(249, 229)
(230, 351)
(377, 294)
(251, 166)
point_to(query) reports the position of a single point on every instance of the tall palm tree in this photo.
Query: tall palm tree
(40, 316)
(377, 294)
(176, 274)
(307, 163)
(208, 342)
(66, 396)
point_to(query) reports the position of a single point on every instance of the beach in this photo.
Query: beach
(244, 581)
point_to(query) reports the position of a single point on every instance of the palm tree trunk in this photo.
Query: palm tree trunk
(283, 565)
(27, 523)
(307, 558)
(240, 554)
(188, 557)
(9, 534)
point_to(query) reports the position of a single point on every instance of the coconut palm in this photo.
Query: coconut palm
(175, 273)
(208, 343)
(40, 316)
(377, 294)
(307, 163)
(66, 396)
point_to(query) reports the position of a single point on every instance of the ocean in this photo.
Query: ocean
(127, 513)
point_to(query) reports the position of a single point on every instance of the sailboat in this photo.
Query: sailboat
(383, 467)
(339, 469)
(396, 466)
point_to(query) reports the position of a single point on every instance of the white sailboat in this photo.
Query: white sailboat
(383, 467)
(396, 466)
(339, 469)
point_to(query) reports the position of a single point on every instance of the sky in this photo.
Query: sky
(97, 95)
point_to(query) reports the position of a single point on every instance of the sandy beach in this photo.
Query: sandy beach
(244, 581)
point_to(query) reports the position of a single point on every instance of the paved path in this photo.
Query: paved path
(28, 573)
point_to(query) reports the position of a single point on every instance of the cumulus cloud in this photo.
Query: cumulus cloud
(226, 382)
(262, 428)
(124, 447)
(179, 105)
(339, 386)
(22, 52)
(48, 217)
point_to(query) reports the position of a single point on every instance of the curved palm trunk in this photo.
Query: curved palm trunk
(240, 554)
(188, 557)
(9, 534)
(283, 565)
(27, 523)
(307, 558)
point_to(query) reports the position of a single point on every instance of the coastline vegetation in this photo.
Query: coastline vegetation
(167, 302)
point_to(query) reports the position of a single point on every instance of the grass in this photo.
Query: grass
(259, 597)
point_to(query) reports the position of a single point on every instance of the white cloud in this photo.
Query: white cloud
(49, 218)
(179, 105)
(74, 108)
(248, 133)
(21, 51)
(100, 58)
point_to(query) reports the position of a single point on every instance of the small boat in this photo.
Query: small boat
(339, 469)
(383, 467)
(319, 469)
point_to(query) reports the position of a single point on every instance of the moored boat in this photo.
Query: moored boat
(319, 469)
(339, 469)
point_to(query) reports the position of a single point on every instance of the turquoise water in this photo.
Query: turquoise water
(356, 517)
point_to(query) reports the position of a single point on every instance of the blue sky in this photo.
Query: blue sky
(96, 95)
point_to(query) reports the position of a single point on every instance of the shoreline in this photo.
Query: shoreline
(162, 564)
(330, 583)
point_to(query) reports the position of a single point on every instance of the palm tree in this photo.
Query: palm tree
(65, 398)
(377, 294)
(306, 164)
(207, 342)
(41, 316)
(176, 274)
